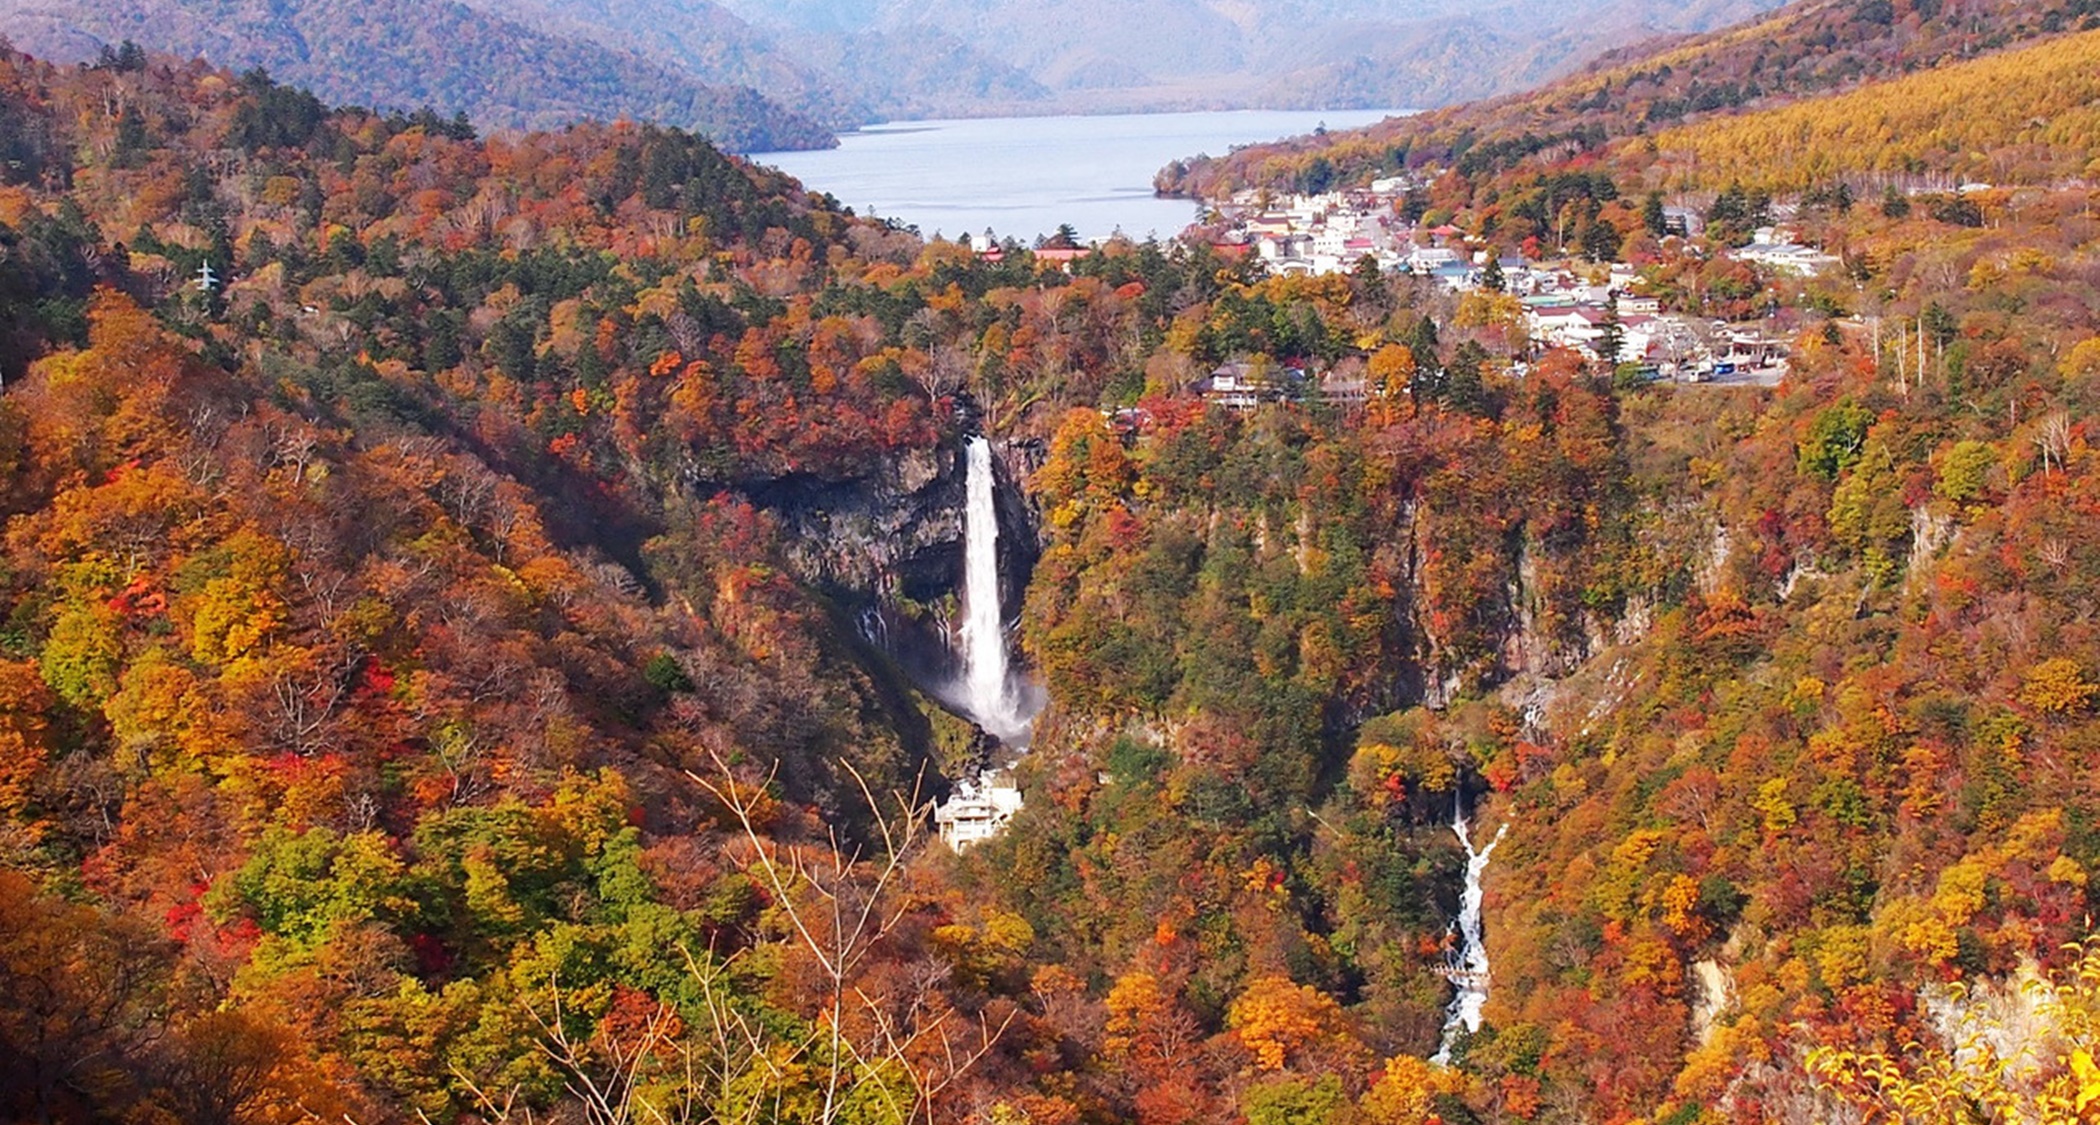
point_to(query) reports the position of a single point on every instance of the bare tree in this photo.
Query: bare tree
(718, 1062)
(2053, 440)
(603, 1072)
(840, 905)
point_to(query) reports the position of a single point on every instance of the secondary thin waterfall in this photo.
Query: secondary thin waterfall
(1469, 966)
(987, 683)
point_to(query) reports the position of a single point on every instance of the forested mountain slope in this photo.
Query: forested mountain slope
(443, 661)
(1808, 49)
(399, 55)
(842, 77)
(2025, 116)
(699, 38)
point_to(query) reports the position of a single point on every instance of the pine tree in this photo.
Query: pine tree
(1611, 344)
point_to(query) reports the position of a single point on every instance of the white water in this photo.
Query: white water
(1469, 965)
(987, 688)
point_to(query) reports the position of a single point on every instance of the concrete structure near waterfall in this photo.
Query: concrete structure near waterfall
(978, 811)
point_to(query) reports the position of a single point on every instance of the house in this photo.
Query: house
(1684, 222)
(1331, 240)
(1044, 255)
(1776, 250)
(1243, 384)
(1582, 327)
(1431, 259)
(1345, 383)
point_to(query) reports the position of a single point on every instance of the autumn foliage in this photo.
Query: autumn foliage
(451, 671)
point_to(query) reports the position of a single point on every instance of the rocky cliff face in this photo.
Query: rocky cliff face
(894, 534)
(887, 548)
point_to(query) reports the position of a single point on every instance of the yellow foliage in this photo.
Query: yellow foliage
(1008, 932)
(2057, 686)
(1417, 767)
(2054, 1080)
(1930, 929)
(1406, 1093)
(238, 612)
(1841, 956)
(1771, 802)
(1619, 883)
(1135, 1005)
(1923, 932)
(1275, 1018)
(1392, 369)
(2083, 360)
(2043, 99)
(1680, 901)
(1711, 1068)
(1486, 309)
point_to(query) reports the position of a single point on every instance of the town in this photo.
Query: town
(1597, 309)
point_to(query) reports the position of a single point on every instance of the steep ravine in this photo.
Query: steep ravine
(887, 548)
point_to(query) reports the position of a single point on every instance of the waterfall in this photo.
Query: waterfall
(1468, 969)
(987, 690)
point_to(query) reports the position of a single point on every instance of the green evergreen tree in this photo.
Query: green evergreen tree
(1611, 345)
(1652, 215)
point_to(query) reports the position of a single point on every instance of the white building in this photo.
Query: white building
(1775, 249)
(977, 811)
(1430, 259)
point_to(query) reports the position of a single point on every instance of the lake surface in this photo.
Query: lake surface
(1022, 176)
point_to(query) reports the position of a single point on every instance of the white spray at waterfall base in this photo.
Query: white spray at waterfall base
(1468, 969)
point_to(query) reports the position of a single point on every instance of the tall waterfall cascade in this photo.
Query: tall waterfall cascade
(1468, 969)
(987, 680)
(986, 689)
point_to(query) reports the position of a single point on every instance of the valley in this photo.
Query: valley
(505, 625)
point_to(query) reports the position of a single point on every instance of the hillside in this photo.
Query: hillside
(478, 659)
(696, 38)
(1807, 49)
(841, 77)
(2024, 116)
(1175, 54)
(397, 54)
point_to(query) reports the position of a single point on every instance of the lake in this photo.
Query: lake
(1022, 176)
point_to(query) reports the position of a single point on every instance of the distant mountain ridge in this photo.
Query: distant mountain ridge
(412, 53)
(760, 74)
(1157, 54)
(840, 77)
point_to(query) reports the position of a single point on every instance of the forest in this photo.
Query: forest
(1801, 53)
(426, 694)
(498, 65)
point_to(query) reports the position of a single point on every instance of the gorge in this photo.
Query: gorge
(503, 639)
